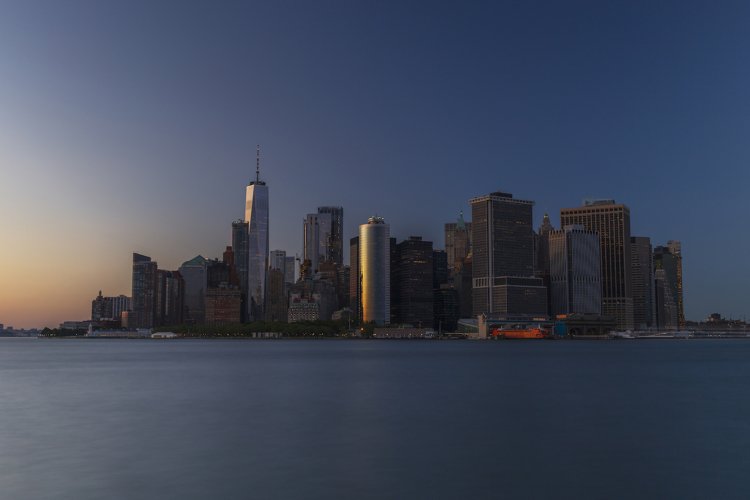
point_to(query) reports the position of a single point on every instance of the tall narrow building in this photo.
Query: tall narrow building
(676, 248)
(612, 221)
(316, 228)
(667, 274)
(241, 262)
(457, 241)
(503, 258)
(144, 292)
(375, 269)
(290, 270)
(574, 271)
(256, 216)
(193, 272)
(642, 263)
(413, 283)
(334, 240)
(278, 261)
(355, 280)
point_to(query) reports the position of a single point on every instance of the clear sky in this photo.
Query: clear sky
(131, 126)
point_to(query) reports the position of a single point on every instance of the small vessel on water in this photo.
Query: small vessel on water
(620, 335)
(520, 333)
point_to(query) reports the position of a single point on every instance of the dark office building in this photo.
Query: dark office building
(503, 258)
(218, 272)
(343, 278)
(193, 273)
(666, 267)
(575, 271)
(413, 283)
(542, 248)
(541, 259)
(675, 247)
(355, 280)
(170, 298)
(223, 305)
(446, 309)
(642, 264)
(144, 292)
(277, 296)
(241, 262)
(457, 241)
(335, 240)
(439, 268)
(612, 221)
(462, 282)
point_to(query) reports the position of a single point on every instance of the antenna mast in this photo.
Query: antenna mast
(257, 164)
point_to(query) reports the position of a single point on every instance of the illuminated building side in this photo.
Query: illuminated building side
(256, 215)
(375, 269)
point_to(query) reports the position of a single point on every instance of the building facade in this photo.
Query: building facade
(413, 284)
(256, 216)
(574, 271)
(334, 241)
(667, 275)
(193, 273)
(644, 299)
(277, 296)
(144, 292)
(223, 305)
(355, 280)
(676, 248)
(503, 258)
(170, 298)
(612, 222)
(375, 270)
(240, 244)
(457, 241)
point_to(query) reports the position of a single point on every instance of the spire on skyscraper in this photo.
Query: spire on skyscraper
(546, 226)
(257, 164)
(461, 224)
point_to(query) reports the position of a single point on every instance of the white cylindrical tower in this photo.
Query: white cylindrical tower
(375, 268)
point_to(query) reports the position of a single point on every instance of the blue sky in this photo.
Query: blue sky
(132, 127)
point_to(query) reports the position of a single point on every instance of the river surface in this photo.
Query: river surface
(193, 419)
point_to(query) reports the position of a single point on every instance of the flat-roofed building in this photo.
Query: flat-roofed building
(612, 222)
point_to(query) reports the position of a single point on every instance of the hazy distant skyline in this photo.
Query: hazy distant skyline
(132, 127)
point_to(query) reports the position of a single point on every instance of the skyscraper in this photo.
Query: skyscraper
(290, 268)
(334, 242)
(317, 230)
(240, 246)
(667, 275)
(375, 268)
(642, 263)
(170, 298)
(574, 270)
(413, 283)
(676, 248)
(503, 258)
(256, 216)
(355, 280)
(144, 292)
(542, 247)
(612, 221)
(457, 241)
(278, 260)
(193, 273)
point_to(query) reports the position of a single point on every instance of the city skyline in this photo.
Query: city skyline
(144, 147)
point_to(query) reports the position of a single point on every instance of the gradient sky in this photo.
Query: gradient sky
(131, 126)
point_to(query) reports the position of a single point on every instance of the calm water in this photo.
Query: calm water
(94, 419)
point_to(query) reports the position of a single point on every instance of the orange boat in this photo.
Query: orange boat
(520, 333)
